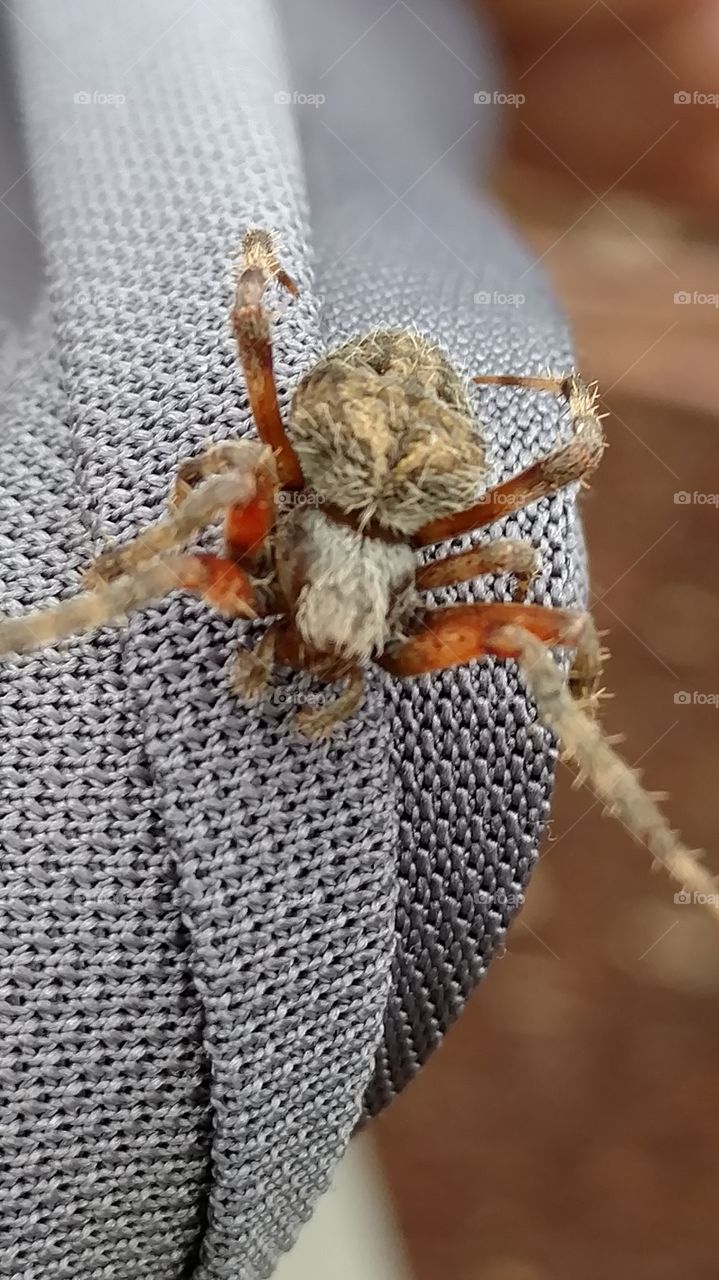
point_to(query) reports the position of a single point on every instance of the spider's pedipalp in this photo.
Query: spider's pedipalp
(252, 668)
(318, 722)
(609, 777)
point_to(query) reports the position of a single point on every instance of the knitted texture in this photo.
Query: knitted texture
(402, 239)
(205, 921)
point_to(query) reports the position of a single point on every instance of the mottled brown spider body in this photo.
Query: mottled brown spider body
(385, 438)
(384, 430)
(381, 455)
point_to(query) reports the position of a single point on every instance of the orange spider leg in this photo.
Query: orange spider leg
(504, 555)
(221, 493)
(247, 525)
(459, 633)
(251, 327)
(220, 582)
(574, 461)
(529, 382)
(217, 580)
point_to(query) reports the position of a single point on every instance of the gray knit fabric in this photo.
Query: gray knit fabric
(219, 943)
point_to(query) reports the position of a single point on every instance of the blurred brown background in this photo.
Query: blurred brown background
(569, 1127)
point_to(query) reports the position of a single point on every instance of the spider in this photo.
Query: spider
(322, 524)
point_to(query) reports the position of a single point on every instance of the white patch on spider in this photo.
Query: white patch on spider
(357, 590)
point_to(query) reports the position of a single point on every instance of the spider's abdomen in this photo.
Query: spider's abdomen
(356, 591)
(383, 429)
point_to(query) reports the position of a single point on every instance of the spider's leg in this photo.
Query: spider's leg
(214, 496)
(219, 581)
(251, 327)
(454, 635)
(215, 460)
(318, 722)
(249, 524)
(503, 555)
(586, 669)
(574, 461)
(529, 382)
(608, 776)
(252, 668)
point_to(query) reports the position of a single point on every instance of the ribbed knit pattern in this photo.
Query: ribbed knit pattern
(220, 944)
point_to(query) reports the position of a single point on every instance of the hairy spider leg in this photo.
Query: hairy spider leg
(251, 327)
(252, 668)
(608, 776)
(318, 722)
(218, 494)
(217, 458)
(215, 579)
(459, 633)
(529, 381)
(574, 461)
(248, 524)
(503, 555)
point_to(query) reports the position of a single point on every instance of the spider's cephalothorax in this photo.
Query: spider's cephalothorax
(323, 520)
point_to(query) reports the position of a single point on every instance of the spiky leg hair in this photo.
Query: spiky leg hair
(93, 609)
(318, 722)
(201, 506)
(128, 577)
(220, 582)
(609, 777)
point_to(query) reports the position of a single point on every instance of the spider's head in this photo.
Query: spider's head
(383, 429)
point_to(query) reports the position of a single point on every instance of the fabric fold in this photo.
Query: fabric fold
(223, 945)
(155, 140)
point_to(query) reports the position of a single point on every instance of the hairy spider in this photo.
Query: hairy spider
(322, 523)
